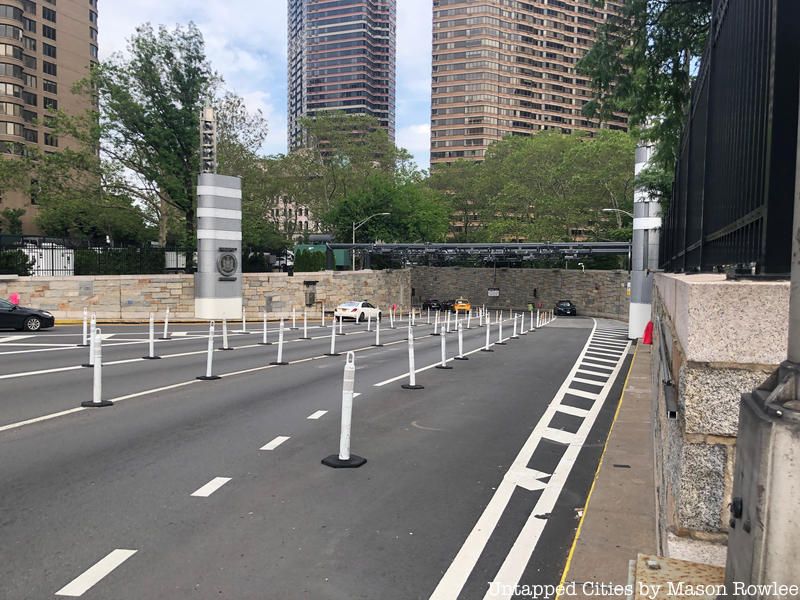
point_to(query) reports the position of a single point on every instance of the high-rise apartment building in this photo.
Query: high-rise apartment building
(342, 56)
(45, 48)
(508, 67)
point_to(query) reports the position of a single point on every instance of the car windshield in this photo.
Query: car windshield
(350, 304)
(564, 303)
(5, 304)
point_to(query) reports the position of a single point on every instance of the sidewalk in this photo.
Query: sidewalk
(619, 521)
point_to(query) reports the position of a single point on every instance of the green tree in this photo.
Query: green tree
(150, 105)
(12, 220)
(643, 63)
(457, 182)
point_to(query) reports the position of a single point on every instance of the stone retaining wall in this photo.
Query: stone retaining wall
(135, 296)
(596, 293)
(722, 338)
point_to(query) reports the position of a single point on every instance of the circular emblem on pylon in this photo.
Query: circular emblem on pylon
(227, 264)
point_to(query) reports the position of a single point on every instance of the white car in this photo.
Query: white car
(358, 311)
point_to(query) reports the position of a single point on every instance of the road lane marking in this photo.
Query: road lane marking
(14, 338)
(588, 381)
(603, 353)
(572, 410)
(452, 582)
(82, 583)
(277, 441)
(40, 419)
(602, 360)
(426, 368)
(590, 372)
(317, 414)
(211, 487)
(586, 363)
(582, 394)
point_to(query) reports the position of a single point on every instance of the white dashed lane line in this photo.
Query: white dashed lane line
(81, 584)
(317, 414)
(211, 487)
(275, 442)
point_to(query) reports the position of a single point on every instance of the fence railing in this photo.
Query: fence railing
(734, 181)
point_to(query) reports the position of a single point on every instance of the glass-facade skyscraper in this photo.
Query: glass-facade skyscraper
(342, 56)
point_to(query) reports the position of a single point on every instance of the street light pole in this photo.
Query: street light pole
(358, 225)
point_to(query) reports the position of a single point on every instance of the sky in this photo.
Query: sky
(246, 44)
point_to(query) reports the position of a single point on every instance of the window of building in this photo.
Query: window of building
(92, 17)
(50, 140)
(10, 109)
(93, 34)
(29, 116)
(12, 51)
(50, 103)
(10, 12)
(51, 87)
(29, 24)
(7, 128)
(31, 135)
(29, 61)
(30, 80)
(9, 89)
(29, 6)
(29, 43)
(9, 31)
(49, 68)
(93, 51)
(31, 99)
(48, 32)
(8, 70)
(48, 14)
(48, 50)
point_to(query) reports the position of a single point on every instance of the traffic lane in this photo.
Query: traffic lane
(125, 346)
(388, 530)
(38, 395)
(121, 476)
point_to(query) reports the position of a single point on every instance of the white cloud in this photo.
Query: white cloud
(415, 138)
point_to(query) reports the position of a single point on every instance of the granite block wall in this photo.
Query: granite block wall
(596, 293)
(722, 338)
(135, 296)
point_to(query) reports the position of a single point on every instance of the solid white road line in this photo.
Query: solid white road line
(40, 419)
(276, 442)
(78, 586)
(14, 338)
(211, 487)
(317, 414)
(426, 368)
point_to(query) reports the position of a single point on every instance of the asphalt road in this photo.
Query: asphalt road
(476, 478)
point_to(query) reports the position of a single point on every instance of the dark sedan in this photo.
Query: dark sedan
(432, 303)
(22, 318)
(565, 307)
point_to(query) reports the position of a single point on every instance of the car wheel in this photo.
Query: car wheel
(362, 317)
(32, 324)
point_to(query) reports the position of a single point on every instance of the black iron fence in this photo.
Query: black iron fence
(732, 200)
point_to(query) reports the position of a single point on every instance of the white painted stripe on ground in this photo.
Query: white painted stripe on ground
(527, 478)
(586, 363)
(317, 415)
(14, 338)
(558, 435)
(454, 579)
(40, 419)
(603, 353)
(78, 586)
(572, 410)
(211, 487)
(601, 360)
(590, 372)
(276, 442)
(588, 381)
(426, 368)
(582, 394)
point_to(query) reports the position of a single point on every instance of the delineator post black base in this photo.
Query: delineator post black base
(334, 354)
(500, 344)
(276, 363)
(486, 350)
(212, 378)
(461, 358)
(151, 358)
(377, 345)
(90, 404)
(443, 367)
(335, 462)
(87, 366)
(82, 345)
(225, 349)
(304, 338)
(435, 334)
(406, 386)
(265, 343)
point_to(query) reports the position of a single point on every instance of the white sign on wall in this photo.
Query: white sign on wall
(494, 292)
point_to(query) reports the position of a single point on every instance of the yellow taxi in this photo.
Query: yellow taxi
(462, 305)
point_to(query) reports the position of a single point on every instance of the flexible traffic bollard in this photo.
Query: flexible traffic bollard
(243, 330)
(469, 318)
(280, 360)
(305, 326)
(209, 376)
(532, 326)
(85, 332)
(429, 316)
(97, 380)
(436, 324)
(538, 319)
(443, 364)
(487, 346)
(151, 341)
(461, 344)
(413, 318)
(322, 319)
(500, 341)
(377, 343)
(412, 371)
(92, 341)
(333, 339)
(264, 341)
(447, 323)
(480, 318)
(522, 330)
(345, 460)
(341, 321)
(369, 322)
(391, 319)
(514, 335)
(166, 324)
(225, 345)
(294, 318)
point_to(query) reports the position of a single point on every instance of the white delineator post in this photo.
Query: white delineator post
(280, 360)
(391, 319)
(209, 376)
(443, 364)
(294, 318)
(225, 336)
(436, 324)
(461, 344)
(244, 321)
(538, 319)
(447, 324)
(322, 318)
(486, 347)
(85, 336)
(369, 322)
(522, 330)
(514, 333)
(92, 331)
(166, 324)
(305, 326)
(500, 341)
(151, 339)
(377, 343)
(412, 371)
(429, 316)
(264, 341)
(333, 339)
(533, 326)
(345, 460)
(341, 321)
(480, 317)
(469, 318)
(97, 379)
